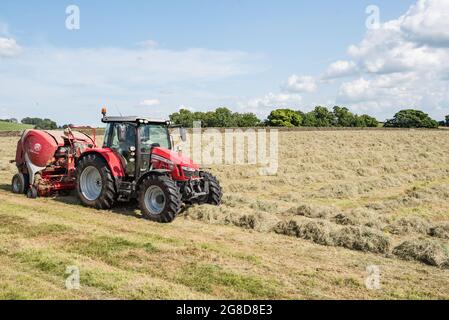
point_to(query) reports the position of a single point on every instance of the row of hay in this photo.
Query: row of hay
(366, 240)
(324, 233)
(370, 218)
(340, 230)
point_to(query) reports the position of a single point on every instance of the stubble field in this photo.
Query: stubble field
(342, 201)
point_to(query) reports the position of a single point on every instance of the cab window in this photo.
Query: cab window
(155, 134)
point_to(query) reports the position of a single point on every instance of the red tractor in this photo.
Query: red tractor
(137, 161)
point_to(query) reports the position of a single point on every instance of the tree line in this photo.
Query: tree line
(38, 123)
(319, 117)
(221, 117)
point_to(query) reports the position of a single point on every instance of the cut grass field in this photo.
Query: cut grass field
(342, 201)
(9, 126)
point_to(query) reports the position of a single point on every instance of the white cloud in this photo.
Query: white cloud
(406, 44)
(85, 79)
(272, 101)
(298, 84)
(383, 93)
(9, 47)
(428, 22)
(404, 63)
(150, 102)
(356, 91)
(340, 68)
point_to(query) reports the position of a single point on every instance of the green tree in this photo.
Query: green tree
(184, 118)
(368, 121)
(319, 117)
(284, 118)
(411, 119)
(221, 117)
(46, 124)
(345, 118)
(309, 120)
(246, 120)
(43, 124)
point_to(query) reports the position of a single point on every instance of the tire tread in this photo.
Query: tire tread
(108, 194)
(173, 196)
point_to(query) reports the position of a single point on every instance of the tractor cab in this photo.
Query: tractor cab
(133, 139)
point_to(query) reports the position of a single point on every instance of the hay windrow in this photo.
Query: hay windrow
(318, 212)
(362, 239)
(318, 232)
(259, 221)
(426, 251)
(325, 233)
(440, 231)
(346, 219)
(409, 225)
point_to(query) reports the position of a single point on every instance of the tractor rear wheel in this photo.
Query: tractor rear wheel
(20, 183)
(215, 192)
(159, 199)
(95, 184)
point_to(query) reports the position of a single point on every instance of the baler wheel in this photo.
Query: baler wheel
(20, 183)
(94, 182)
(32, 192)
(159, 199)
(215, 192)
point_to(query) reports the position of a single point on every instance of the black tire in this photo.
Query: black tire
(32, 192)
(172, 199)
(20, 183)
(215, 192)
(107, 196)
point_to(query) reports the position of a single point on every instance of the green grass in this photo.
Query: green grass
(8, 126)
(209, 278)
(108, 249)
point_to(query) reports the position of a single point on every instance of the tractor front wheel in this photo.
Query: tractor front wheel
(215, 192)
(94, 183)
(159, 199)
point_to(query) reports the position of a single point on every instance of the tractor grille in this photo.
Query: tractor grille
(191, 174)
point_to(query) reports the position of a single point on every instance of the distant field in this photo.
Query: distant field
(342, 201)
(8, 126)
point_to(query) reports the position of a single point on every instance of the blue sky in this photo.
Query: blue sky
(153, 57)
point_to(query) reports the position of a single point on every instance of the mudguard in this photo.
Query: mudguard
(111, 159)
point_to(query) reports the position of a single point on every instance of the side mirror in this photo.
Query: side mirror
(183, 134)
(121, 132)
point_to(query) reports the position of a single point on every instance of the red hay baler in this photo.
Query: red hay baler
(46, 161)
(136, 161)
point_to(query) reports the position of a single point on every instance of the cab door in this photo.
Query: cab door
(121, 138)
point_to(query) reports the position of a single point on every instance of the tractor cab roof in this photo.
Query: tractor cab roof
(134, 119)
